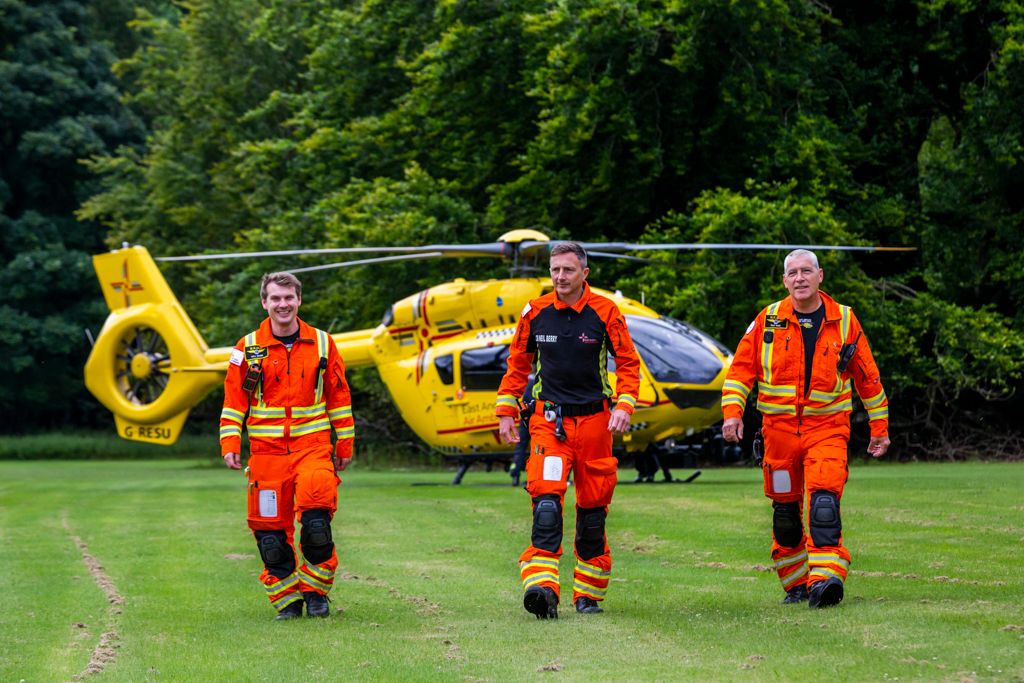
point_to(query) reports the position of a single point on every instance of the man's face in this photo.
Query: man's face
(567, 275)
(282, 305)
(802, 278)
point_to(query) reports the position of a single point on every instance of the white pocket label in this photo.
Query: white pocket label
(552, 468)
(781, 482)
(268, 503)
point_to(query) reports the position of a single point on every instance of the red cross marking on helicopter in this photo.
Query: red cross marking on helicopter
(126, 285)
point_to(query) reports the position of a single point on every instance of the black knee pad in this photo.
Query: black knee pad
(590, 532)
(317, 541)
(787, 525)
(278, 558)
(826, 526)
(547, 523)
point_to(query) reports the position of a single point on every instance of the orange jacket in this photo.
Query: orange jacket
(288, 412)
(778, 369)
(572, 348)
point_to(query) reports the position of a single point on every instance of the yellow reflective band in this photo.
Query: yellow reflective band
(794, 579)
(841, 407)
(266, 412)
(232, 414)
(628, 400)
(827, 396)
(338, 413)
(844, 324)
(765, 389)
(775, 409)
(540, 577)
(874, 401)
(733, 401)
(270, 430)
(506, 400)
(592, 569)
(310, 427)
(822, 572)
(346, 433)
(733, 385)
(230, 430)
(309, 411)
(786, 561)
(592, 591)
(879, 413)
(287, 582)
(819, 558)
(319, 572)
(288, 599)
(542, 561)
(768, 349)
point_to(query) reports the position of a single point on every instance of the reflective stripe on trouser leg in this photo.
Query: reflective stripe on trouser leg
(281, 592)
(590, 578)
(827, 564)
(791, 566)
(538, 568)
(318, 578)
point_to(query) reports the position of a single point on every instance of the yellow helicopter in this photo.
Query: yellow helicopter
(440, 352)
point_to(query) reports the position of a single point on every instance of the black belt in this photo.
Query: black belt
(583, 409)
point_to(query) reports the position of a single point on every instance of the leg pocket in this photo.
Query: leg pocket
(598, 486)
(270, 504)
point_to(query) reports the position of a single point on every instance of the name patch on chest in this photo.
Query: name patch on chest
(255, 352)
(546, 338)
(773, 322)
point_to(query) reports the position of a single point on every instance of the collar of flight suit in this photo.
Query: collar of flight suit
(832, 311)
(580, 303)
(265, 333)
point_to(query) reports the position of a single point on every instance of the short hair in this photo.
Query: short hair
(571, 248)
(798, 253)
(281, 280)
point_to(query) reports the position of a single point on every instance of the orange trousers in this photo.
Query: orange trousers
(806, 468)
(281, 488)
(587, 453)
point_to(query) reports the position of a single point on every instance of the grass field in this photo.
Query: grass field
(145, 571)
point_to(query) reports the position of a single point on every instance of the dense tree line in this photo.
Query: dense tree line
(275, 124)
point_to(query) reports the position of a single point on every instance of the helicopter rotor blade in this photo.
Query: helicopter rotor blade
(365, 261)
(484, 249)
(621, 257)
(632, 246)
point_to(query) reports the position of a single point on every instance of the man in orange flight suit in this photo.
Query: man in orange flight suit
(803, 353)
(569, 332)
(286, 383)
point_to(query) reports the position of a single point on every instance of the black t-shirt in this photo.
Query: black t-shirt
(288, 340)
(810, 324)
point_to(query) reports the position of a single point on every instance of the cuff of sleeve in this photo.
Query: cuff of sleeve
(879, 428)
(506, 411)
(625, 405)
(230, 445)
(729, 412)
(344, 449)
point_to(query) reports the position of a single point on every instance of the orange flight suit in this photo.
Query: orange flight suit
(571, 345)
(805, 435)
(301, 396)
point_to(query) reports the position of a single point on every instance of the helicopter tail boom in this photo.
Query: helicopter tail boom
(149, 364)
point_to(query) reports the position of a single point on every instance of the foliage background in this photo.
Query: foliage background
(254, 124)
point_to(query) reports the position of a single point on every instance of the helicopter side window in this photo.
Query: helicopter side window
(482, 369)
(672, 350)
(445, 368)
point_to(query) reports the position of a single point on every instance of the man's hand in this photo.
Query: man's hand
(878, 446)
(507, 429)
(618, 423)
(340, 463)
(732, 430)
(233, 461)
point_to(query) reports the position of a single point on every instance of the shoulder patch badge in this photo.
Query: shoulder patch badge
(255, 352)
(526, 309)
(236, 357)
(750, 327)
(773, 322)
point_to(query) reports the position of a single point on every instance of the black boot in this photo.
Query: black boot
(825, 593)
(795, 594)
(290, 611)
(541, 601)
(585, 605)
(316, 604)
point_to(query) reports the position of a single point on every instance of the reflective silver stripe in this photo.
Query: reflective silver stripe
(268, 430)
(266, 412)
(230, 430)
(791, 580)
(310, 427)
(766, 349)
(795, 559)
(776, 389)
(879, 413)
(591, 570)
(733, 401)
(823, 572)
(232, 414)
(628, 400)
(844, 322)
(874, 401)
(775, 409)
(287, 582)
(346, 432)
(506, 400)
(829, 396)
(309, 411)
(820, 558)
(543, 561)
(841, 407)
(592, 591)
(540, 577)
(339, 413)
(737, 387)
(322, 339)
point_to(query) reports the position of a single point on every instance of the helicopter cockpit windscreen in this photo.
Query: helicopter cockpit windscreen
(482, 369)
(674, 351)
